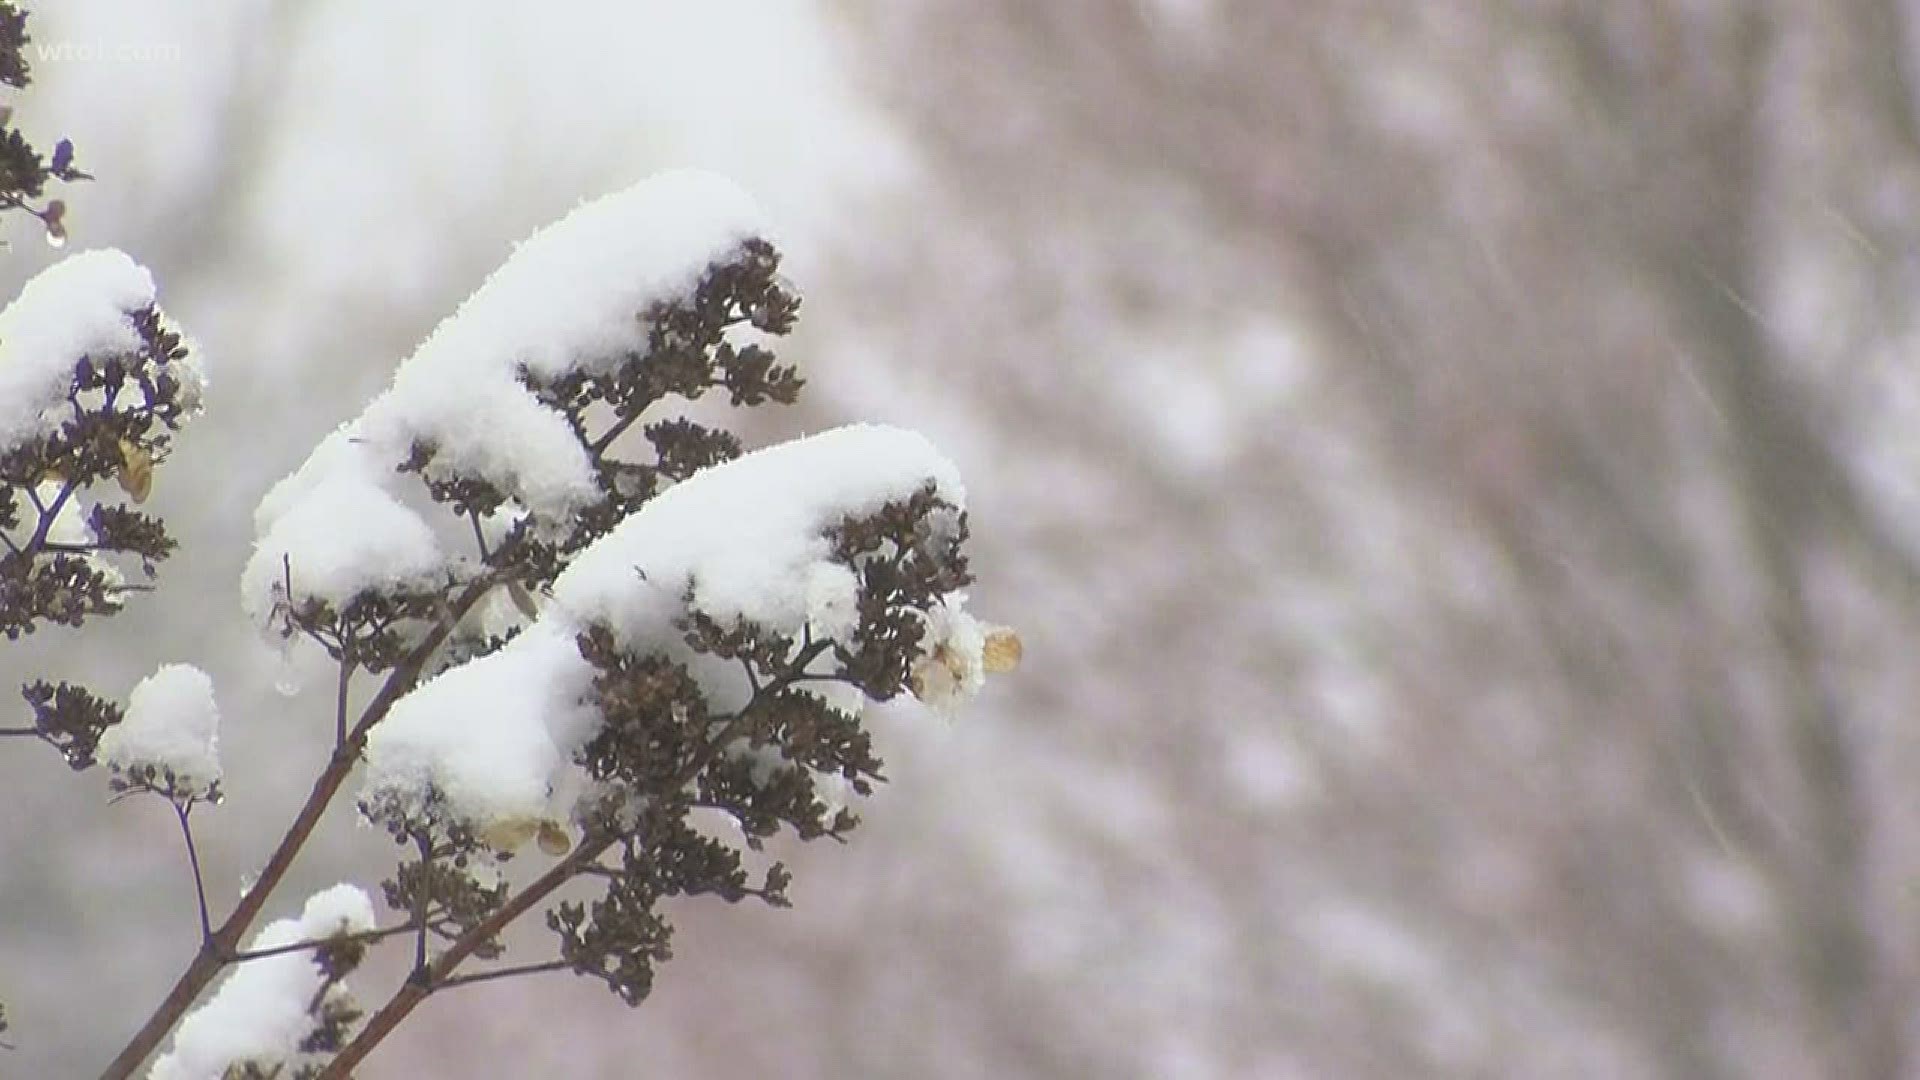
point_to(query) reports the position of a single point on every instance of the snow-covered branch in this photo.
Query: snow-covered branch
(93, 384)
(594, 623)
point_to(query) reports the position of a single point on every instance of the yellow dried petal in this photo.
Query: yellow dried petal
(554, 839)
(1002, 650)
(136, 470)
(509, 834)
(522, 599)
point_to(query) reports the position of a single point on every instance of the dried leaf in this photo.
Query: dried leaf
(509, 834)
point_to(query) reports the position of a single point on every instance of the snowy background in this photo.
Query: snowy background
(1453, 470)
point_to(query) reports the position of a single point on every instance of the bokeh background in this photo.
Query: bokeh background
(1454, 466)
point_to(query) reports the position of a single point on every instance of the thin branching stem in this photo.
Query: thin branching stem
(48, 515)
(181, 810)
(60, 546)
(364, 936)
(340, 697)
(503, 973)
(422, 903)
(479, 538)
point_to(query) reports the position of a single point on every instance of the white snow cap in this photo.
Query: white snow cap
(496, 736)
(954, 667)
(334, 529)
(749, 536)
(568, 299)
(493, 736)
(260, 1013)
(171, 724)
(76, 307)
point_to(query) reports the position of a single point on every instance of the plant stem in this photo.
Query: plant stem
(340, 696)
(180, 810)
(503, 973)
(364, 935)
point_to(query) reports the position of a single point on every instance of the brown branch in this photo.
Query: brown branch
(215, 950)
(504, 973)
(416, 989)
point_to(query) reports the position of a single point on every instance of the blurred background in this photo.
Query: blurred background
(1455, 467)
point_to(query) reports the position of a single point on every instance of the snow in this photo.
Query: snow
(171, 724)
(495, 737)
(74, 308)
(334, 529)
(954, 667)
(492, 736)
(260, 1013)
(567, 299)
(749, 536)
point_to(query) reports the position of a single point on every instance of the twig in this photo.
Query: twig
(369, 936)
(49, 514)
(479, 538)
(340, 696)
(181, 810)
(422, 902)
(414, 991)
(503, 973)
